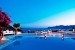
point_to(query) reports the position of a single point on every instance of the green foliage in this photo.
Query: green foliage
(16, 25)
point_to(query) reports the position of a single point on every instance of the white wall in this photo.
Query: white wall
(10, 32)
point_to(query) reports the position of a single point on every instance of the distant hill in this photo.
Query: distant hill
(62, 27)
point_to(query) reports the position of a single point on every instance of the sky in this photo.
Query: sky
(40, 13)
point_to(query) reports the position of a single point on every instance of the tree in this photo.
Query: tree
(4, 19)
(16, 25)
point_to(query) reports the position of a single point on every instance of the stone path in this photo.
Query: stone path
(3, 42)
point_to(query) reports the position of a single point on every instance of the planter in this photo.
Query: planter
(16, 32)
(0, 38)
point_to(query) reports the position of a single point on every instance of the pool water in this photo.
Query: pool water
(40, 43)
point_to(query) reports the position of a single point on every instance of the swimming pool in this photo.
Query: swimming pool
(40, 43)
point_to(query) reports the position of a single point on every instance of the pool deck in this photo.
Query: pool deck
(3, 42)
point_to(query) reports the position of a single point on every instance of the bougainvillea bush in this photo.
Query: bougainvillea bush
(4, 19)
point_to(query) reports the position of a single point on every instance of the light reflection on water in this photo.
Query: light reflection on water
(16, 43)
(38, 42)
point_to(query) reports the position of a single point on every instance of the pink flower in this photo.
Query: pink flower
(4, 18)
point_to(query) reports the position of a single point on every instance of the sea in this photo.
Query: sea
(44, 29)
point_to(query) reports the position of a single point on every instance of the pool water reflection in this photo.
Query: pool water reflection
(16, 43)
(42, 43)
